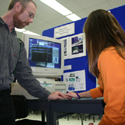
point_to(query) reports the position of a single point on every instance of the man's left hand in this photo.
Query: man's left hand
(56, 95)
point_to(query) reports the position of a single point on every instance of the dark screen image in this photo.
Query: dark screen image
(44, 53)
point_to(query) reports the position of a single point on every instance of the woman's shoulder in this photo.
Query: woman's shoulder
(110, 54)
(109, 50)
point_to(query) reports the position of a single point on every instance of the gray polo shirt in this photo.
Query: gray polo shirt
(11, 58)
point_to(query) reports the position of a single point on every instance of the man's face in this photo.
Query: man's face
(25, 16)
(17, 22)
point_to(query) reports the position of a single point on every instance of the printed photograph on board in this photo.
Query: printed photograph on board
(77, 46)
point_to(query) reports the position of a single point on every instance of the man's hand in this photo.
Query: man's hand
(56, 95)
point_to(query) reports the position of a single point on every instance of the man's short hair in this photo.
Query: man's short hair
(23, 2)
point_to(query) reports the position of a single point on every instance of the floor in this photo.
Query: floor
(72, 120)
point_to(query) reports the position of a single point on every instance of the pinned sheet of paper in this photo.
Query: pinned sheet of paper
(67, 67)
(64, 30)
(75, 80)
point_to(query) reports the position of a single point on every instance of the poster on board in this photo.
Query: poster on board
(77, 46)
(66, 47)
(64, 30)
(75, 80)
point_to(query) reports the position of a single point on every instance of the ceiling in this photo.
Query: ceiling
(47, 18)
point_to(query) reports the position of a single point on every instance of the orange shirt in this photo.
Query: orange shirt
(112, 87)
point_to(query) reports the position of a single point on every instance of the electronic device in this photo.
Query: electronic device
(45, 55)
(49, 84)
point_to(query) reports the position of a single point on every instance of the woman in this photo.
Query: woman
(105, 41)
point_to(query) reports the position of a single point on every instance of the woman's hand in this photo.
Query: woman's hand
(71, 95)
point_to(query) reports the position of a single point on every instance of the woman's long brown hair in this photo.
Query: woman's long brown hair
(102, 30)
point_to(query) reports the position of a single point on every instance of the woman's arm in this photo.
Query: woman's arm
(71, 95)
(94, 93)
(85, 94)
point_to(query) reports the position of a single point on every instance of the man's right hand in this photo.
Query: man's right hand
(56, 95)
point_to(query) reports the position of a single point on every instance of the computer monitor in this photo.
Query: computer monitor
(45, 55)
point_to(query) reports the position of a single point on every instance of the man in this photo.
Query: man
(13, 61)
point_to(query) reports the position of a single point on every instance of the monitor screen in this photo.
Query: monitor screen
(45, 55)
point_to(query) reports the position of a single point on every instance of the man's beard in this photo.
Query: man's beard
(17, 22)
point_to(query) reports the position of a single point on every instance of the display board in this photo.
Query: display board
(76, 60)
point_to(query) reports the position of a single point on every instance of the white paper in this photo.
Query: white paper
(64, 30)
(68, 67)
(66, 47)
(75, 80)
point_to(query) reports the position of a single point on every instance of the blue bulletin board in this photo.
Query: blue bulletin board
(81, 63)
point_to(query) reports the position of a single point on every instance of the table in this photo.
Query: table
(56, 108)
(43, 105)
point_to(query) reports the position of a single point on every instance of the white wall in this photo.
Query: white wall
(20, 35)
